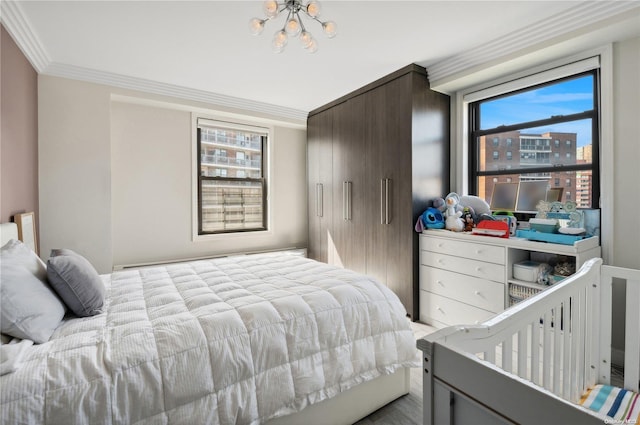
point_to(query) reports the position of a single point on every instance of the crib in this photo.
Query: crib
(533, 363)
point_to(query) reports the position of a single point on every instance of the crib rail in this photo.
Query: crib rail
(560, 338)
(544, 339)
(557, 344)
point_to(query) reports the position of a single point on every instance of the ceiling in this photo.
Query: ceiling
(204, 48)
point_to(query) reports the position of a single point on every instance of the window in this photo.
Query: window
(563, 109)
(509, 142)
(232, 193)
(509, 155)
(496, 155)
(495, 141)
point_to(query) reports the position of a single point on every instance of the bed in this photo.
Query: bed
(546, 360)
(271, 338)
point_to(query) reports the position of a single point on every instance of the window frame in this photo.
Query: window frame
(474, 133)
(265, 132)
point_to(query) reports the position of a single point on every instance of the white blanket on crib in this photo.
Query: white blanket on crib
(234, 340)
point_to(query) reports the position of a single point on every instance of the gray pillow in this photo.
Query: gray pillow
(76, 281)
(29, 309)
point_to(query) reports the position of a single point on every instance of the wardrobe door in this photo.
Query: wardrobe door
(346, 238)
(399, 226)
(319, 162)
(388, 245)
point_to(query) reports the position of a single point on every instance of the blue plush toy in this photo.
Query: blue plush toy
(433, 218)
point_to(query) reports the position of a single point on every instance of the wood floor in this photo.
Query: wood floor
(407, 410)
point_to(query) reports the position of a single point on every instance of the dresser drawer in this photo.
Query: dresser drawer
(435, 308)
(482, 293)
(475, 268)
(476, 251)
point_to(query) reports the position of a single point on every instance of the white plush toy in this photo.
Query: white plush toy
(452, 216)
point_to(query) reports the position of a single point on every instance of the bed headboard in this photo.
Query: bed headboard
(8, 231)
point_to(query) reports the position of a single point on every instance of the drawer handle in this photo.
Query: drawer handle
(478, 251)
(439, 282)
(439, 309)
(440, 245)
(478, 269)
(440, 261)
(477, 292)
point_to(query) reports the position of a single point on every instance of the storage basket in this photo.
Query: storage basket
(520, 292)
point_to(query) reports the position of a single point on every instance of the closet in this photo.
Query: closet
(376, 157)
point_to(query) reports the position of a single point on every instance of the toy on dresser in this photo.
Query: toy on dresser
(453, 220)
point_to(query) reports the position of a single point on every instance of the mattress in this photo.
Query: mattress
(236, 340)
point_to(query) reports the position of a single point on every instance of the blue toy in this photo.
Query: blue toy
(433, 218)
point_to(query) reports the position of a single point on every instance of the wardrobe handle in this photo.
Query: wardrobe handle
(349, 200)
(387, 183)
(319, 195)
(344, 201)
(382, 209)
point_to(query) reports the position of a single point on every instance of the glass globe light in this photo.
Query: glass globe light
(313, 9)
(280, 39)
(293, 27)
(256, 26)
(330, 28)
(306, 38)
(270, 8)
(312, 47)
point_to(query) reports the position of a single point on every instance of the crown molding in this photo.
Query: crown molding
(16, 24)
(164, 89)
(583, 15)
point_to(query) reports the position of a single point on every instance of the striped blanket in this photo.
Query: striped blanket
(620, 404)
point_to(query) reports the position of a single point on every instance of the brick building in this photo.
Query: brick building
(516, 150)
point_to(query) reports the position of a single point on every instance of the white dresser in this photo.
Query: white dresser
(465, 278)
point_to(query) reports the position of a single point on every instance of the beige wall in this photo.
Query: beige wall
(151, 187)
(115, 177)
(19, 131)
(74, 169)
(626, 121)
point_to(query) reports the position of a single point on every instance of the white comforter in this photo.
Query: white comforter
(234, 340)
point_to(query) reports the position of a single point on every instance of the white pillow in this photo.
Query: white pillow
(29, 308)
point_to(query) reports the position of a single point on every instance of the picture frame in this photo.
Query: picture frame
(555, 194)
(530, 193)
(504, 196)
(27, 229)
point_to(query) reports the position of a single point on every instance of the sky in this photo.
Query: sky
(569, 97)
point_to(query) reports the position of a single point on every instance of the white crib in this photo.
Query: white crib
(531, 363)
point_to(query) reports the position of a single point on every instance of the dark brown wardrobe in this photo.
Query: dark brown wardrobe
(376, 157)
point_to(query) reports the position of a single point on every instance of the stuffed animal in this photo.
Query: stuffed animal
(433, 219)
(452, 216)
(467, 218)
(439, 204)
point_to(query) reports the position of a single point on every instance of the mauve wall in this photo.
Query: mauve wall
(18, 131)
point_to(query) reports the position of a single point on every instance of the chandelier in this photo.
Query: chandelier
(293, 27)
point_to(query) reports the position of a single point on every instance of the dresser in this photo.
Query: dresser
(466, 279)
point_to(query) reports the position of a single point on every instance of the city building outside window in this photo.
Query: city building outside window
(538, 118)
(232, 195)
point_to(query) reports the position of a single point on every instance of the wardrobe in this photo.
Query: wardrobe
(376, 158)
